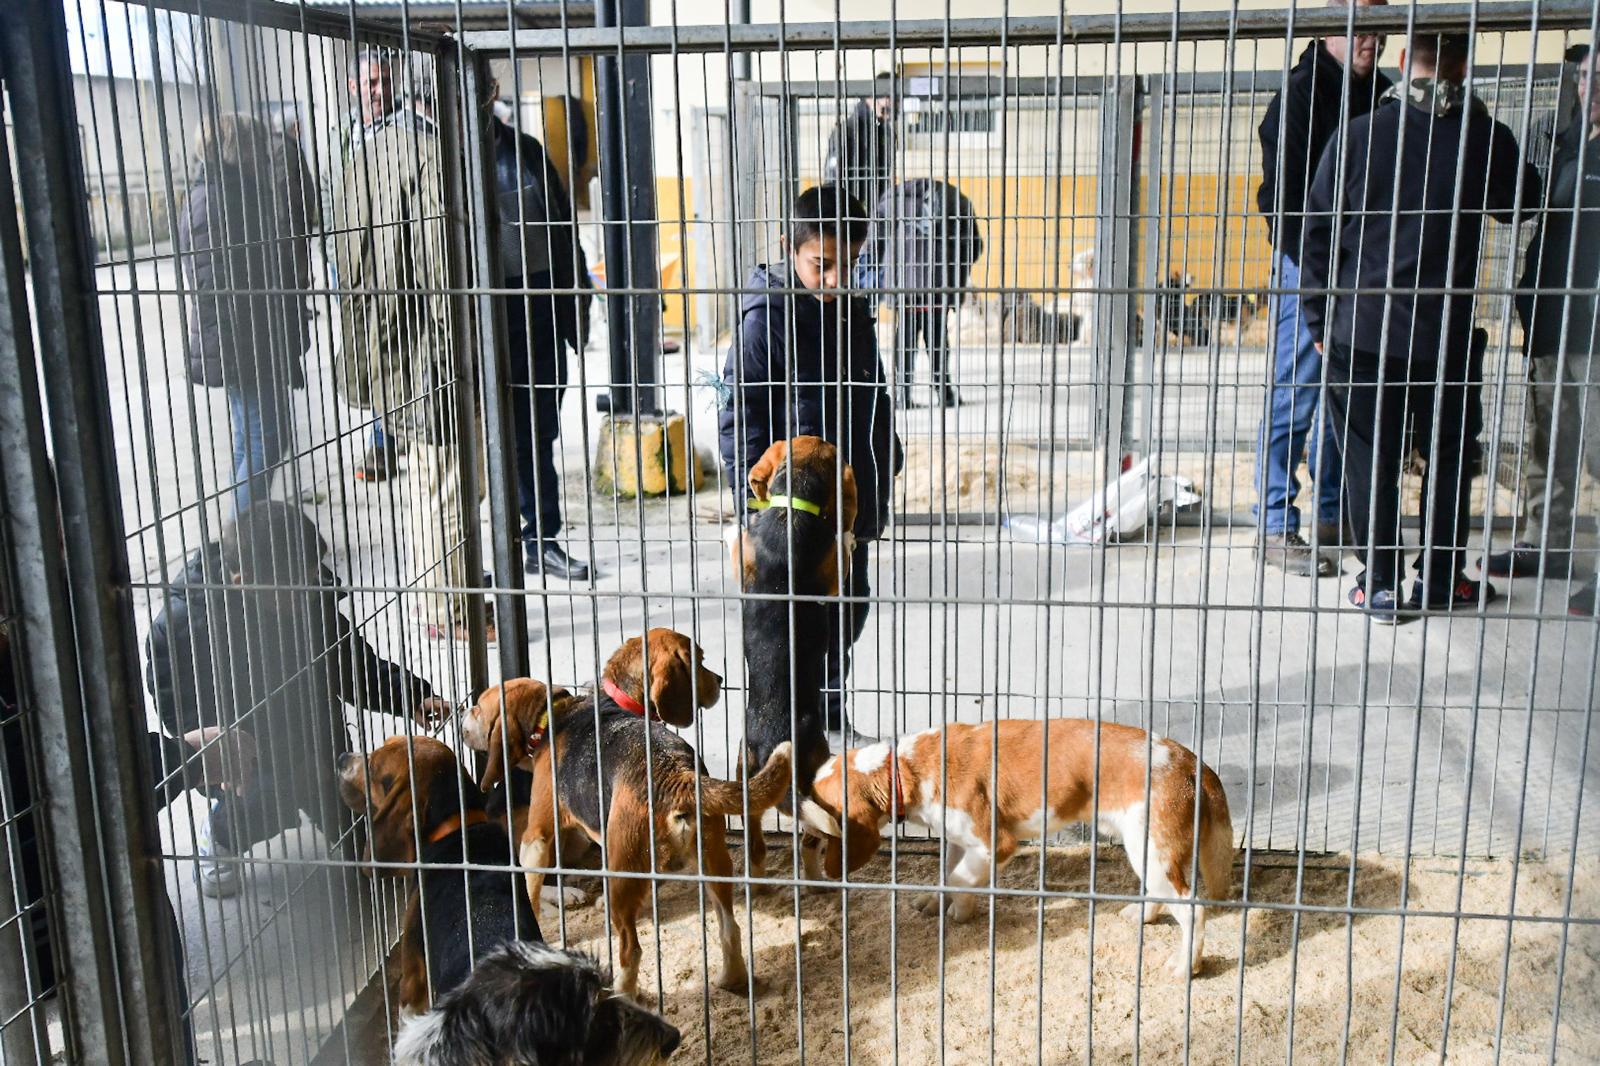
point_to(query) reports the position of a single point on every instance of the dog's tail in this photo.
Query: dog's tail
(718, 797)
(1216, 837)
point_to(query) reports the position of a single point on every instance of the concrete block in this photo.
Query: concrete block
(648, 454)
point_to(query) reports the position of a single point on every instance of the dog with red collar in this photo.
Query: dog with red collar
(1138, 786)
(609, 771)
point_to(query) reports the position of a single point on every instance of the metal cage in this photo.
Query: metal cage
(266, 251)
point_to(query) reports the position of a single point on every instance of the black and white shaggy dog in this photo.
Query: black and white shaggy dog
(530, 1004)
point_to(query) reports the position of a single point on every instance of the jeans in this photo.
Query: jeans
(261, 437)
(1290, 417)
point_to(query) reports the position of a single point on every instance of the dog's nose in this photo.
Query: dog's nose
(670, 1040)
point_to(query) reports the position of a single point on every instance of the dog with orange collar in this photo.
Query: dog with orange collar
(425, 810)
(1139, 787)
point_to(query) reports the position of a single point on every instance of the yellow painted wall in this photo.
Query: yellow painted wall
(1021, 225)
(675, 250)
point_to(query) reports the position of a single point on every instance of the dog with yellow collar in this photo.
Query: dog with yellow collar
(789, 554)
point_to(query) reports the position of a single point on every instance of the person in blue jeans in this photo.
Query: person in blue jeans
(243, 244)
(1335, 80)
(1286, 433)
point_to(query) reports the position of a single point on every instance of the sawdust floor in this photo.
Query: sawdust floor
(1342, 973)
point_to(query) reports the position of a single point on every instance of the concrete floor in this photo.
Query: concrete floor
(1453, 735)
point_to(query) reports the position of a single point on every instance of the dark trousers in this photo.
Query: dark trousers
(927, 326)
(538, 380)
(846, 622)
(1375, 403)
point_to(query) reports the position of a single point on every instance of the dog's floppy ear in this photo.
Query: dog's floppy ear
(505, 734)
(671, 678)
(861, 842)
(847, 496)
(393, 836)
(766, 467)
(447, 788)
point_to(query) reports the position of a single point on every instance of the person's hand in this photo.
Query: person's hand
(227, 757)
(431, 711)
(1318, 345)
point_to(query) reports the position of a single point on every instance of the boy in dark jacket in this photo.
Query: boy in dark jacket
(1335, 81)
(806, 363)
(1390, 229)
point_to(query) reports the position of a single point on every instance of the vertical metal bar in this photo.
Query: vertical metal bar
(21, 437)
(124, 1000)
(628, 200)
(1156, 93)
(1116, 267)
(511, 609)
(458, 162)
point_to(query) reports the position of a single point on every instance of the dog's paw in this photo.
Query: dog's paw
(928, 903)
(737, 981)
(568, 896)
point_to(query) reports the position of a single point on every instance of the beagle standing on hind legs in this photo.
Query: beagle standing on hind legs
(905, 783)
(804, 496)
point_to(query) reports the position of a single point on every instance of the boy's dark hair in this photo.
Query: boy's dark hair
(1436, 50)
(827, 211)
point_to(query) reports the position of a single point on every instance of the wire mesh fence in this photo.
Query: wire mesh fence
(418, 349)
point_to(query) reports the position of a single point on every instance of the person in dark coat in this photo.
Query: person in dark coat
(861, 147)
(276, 662)
(1335, 81)
(1562, 334)
(540, 253)
(1384, 228)
(244, 228)
(806, 363)
(923, 243)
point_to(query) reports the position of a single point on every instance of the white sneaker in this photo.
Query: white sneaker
(218, 880)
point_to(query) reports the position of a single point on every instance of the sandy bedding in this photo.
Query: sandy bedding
(1339, 969)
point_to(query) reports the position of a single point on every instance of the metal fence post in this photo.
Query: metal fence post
(458, 166)
(23, 1034)
(120, 978)
(1116, 266)
(1154, 199)
(477, 153)
(628, 200)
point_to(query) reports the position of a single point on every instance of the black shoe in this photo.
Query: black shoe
(552, 560)
(950, 397)
(380, 464)
(1524, 559)
(1465, 595)
(1582, 604)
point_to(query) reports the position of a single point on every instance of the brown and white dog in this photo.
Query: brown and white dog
(886, 785)
(615, 768)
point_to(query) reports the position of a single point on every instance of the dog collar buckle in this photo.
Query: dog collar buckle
(541, 730)
(794, 503)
